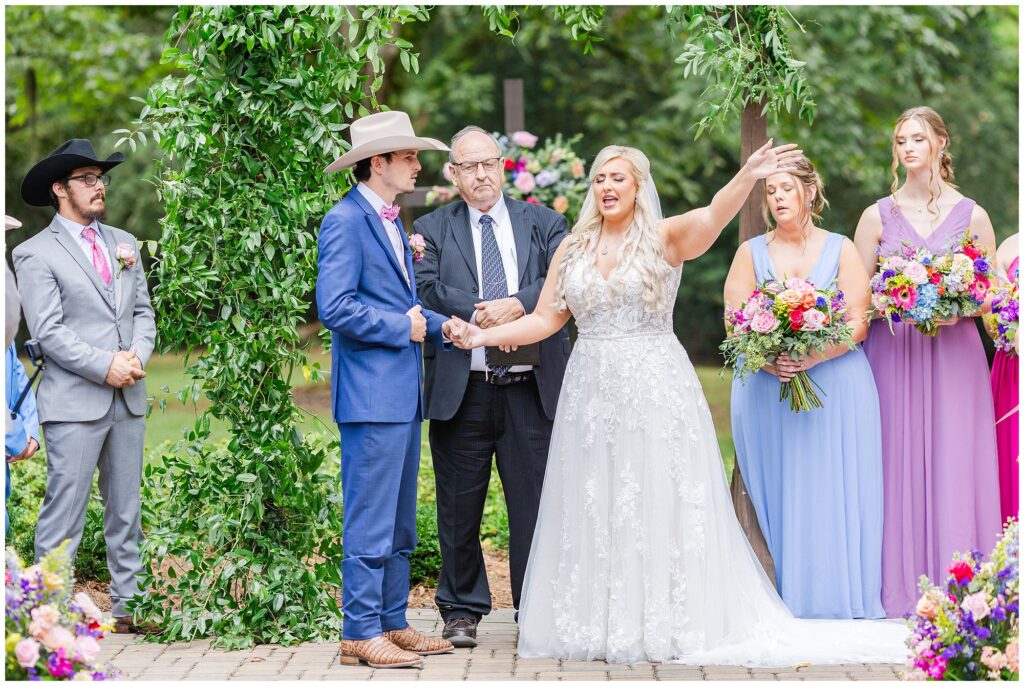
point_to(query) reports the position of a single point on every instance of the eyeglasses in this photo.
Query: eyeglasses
(91, 179)
(489, 165)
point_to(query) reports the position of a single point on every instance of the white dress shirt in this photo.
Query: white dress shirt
(74, 230)
(390, 227)
(506, 240)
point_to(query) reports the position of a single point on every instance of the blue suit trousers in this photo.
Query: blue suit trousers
(379, 466)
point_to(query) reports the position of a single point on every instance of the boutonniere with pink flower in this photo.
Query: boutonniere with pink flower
(124, 253)
(418, 246)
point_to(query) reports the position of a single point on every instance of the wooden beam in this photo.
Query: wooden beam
(515, 113)
(753, 134)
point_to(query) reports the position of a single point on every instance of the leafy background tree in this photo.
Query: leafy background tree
(256, 103)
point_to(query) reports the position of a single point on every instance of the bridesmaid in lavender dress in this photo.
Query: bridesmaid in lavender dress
(1005, 375)
(940, 478)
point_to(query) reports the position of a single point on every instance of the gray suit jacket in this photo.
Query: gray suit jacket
(447, 282)
(80, 322)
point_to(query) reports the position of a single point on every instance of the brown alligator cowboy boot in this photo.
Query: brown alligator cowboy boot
(415, 642)
(379, 653)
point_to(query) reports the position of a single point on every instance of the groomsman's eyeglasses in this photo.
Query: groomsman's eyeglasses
(91, 179)
(468, 168)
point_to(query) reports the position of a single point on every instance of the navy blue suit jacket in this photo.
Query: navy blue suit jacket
(362, 297)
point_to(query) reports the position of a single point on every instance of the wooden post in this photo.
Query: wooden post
(753, 134)
(515, 113)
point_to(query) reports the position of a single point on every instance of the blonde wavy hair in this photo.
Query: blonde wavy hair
(935, 129)
(641, 249)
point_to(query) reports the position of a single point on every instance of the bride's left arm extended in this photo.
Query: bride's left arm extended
(688, 236)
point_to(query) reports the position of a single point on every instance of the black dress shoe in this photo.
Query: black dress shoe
(461, 631)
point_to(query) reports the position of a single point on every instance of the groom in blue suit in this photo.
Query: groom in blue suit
(366, 296)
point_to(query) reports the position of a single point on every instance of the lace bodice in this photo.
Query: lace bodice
(615, 307)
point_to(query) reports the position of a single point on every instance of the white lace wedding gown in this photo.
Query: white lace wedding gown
(637, 555)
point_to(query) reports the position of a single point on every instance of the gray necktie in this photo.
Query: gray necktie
(495, 285)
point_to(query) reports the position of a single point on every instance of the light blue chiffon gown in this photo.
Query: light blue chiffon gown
(815, 478)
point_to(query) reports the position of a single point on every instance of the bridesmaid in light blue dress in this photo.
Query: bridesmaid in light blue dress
(815, 478)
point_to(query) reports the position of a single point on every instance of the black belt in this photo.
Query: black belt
(507, 380)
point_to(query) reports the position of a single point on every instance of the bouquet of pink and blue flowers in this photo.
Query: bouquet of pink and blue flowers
(50, 635)
(792, 317)
(922, 288)
(1002, 321)
(969, 629)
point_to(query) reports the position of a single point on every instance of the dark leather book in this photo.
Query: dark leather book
(525, 354)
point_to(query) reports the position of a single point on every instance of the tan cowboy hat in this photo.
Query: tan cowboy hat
(379, 133)
(11, 223)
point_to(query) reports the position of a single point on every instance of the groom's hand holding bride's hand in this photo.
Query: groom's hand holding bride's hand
(463, 334)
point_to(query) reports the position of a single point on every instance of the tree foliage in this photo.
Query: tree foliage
(254, 525)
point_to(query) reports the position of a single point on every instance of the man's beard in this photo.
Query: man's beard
(87, 211)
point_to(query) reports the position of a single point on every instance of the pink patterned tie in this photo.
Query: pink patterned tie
(99, 260)
(390, 213)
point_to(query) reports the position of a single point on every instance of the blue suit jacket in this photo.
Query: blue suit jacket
(362, 297)
(26, 424)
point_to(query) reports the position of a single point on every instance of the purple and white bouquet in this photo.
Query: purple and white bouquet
(550, 174)
(969, 629)
(50, 635)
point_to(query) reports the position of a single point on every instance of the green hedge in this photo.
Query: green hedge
(28, 486)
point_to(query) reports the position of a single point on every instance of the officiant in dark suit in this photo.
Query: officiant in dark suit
(485, 261)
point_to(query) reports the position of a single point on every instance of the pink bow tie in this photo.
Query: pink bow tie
(390, 213)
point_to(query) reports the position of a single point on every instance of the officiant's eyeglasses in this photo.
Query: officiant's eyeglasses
(470, 167)
(91, 179)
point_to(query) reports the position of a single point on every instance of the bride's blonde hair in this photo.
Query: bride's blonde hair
(642, 247)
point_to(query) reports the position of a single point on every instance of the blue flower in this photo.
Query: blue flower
(895, 317)
(926, 261)
(820, 302)
(981, 265)
(888, 274)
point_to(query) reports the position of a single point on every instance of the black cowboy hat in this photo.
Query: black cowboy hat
(75, 153)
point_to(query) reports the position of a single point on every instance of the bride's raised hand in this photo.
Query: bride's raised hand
(767, 160)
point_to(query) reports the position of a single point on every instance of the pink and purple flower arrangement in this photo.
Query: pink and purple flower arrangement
(790, 317)
(1002, 321)
(51, 636)
(969, 630)
(922, 288)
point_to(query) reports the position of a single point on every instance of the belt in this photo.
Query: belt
(506, 380)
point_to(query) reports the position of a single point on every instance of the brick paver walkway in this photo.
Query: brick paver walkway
(494, 658)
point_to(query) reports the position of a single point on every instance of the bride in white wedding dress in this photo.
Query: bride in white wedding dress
(637, 554)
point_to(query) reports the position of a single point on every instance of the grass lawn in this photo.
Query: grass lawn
(176, 418)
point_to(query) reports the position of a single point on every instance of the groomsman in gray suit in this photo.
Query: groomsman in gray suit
(85, 299)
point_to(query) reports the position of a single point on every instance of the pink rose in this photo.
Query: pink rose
(977, 605)
(927, 607)
(27, 652)
(524, 139)
(87, 648)
(88, 607)
(790, 297)
(418, 246)
(916, 272)
(58, 637)
(125, 254)
(560, 204)
(525, 182)
(774, 288)
(798, 284)
(1012, 656)
(814, 320)
(764, 322)
(44, 618)
(577, 169)
(879, 301)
